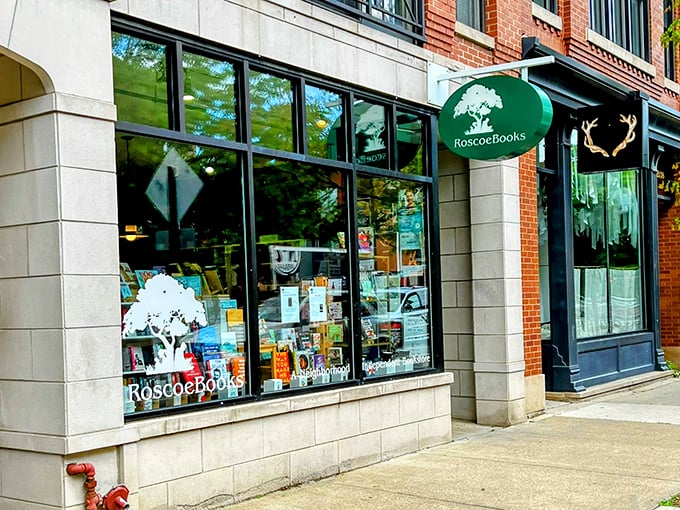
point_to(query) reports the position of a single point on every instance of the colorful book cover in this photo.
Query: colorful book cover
(335, 356)
(281, 366)
(335, 310)
(335, 333)
(191, 375)
(136, 357)
(217, 368)
(234, 316)
(143, 275)
(238, 367)
(191, 282)
(125, 291)
(319, 361)
(302, 362)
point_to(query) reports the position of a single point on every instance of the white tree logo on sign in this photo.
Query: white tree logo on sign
(167, 309)
(477, 102)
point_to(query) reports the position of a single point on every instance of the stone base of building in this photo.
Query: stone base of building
(534, 388)
(216, 457)
(672, 354)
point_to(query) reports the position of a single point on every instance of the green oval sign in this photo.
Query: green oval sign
(494, 118)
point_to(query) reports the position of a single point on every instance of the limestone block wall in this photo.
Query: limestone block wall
(216, 457)
(454, 220)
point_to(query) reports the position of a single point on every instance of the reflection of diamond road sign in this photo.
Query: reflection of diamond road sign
(187, 183)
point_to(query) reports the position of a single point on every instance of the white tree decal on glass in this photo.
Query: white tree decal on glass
(477, 102)
(167, 309)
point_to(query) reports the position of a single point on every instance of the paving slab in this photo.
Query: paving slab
(618, 452)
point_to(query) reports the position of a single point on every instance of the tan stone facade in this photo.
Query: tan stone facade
(61, 395)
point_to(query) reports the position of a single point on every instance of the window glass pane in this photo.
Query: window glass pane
(550, 5)
(271, 111)
(624, 22)
(393, 277)
(182, 272)
(325, 127)
(140, 81)
(607, 255)
(410, 143)
(669, 51)
(304, 311)
(371, 134)
(543, 256)
(623, 236)
(209, 97)
(590, 255)
(471, 13)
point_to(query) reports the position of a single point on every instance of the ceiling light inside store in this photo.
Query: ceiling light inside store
(209, 170)
(321, 123)
(188, 98)
(132, 233)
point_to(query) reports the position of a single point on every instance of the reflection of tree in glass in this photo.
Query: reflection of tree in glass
(140, 82)
(217, 213)
(384, 199)
(271, 111)
(299, 202)
(209, 97)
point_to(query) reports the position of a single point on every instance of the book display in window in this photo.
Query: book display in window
(179, 346)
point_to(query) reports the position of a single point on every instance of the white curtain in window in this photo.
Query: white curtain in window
(590, 289)
(626, 301)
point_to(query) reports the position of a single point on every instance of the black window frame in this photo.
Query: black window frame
(405, 19)
(669, 51)
(624, 22)
(176, 44)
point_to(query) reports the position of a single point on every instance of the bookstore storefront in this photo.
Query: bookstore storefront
(257, 255)
(220, 266)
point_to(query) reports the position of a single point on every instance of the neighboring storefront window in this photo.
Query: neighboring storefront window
(607, 252)
(393, 276)
(236, 257)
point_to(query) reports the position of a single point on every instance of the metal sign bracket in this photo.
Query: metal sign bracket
(438, 76)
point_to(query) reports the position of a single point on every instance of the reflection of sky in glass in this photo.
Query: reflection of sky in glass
(271, 106)
(324, 111)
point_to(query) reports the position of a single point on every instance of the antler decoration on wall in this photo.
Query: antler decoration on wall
(586, 126)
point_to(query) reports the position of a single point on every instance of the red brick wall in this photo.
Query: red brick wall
(531, 304)
(507, 21)
(669, 275)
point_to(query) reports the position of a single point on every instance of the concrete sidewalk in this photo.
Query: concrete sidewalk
(619, 451)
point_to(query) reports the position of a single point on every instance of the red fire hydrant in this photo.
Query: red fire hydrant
(115, 499)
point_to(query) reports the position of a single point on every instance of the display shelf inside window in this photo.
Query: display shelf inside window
(304, 336)
(181, 343)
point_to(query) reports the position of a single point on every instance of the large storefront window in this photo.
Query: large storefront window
(303, 305)
(393, 276)
(239, 229)
(184, 331)
(607, 252)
